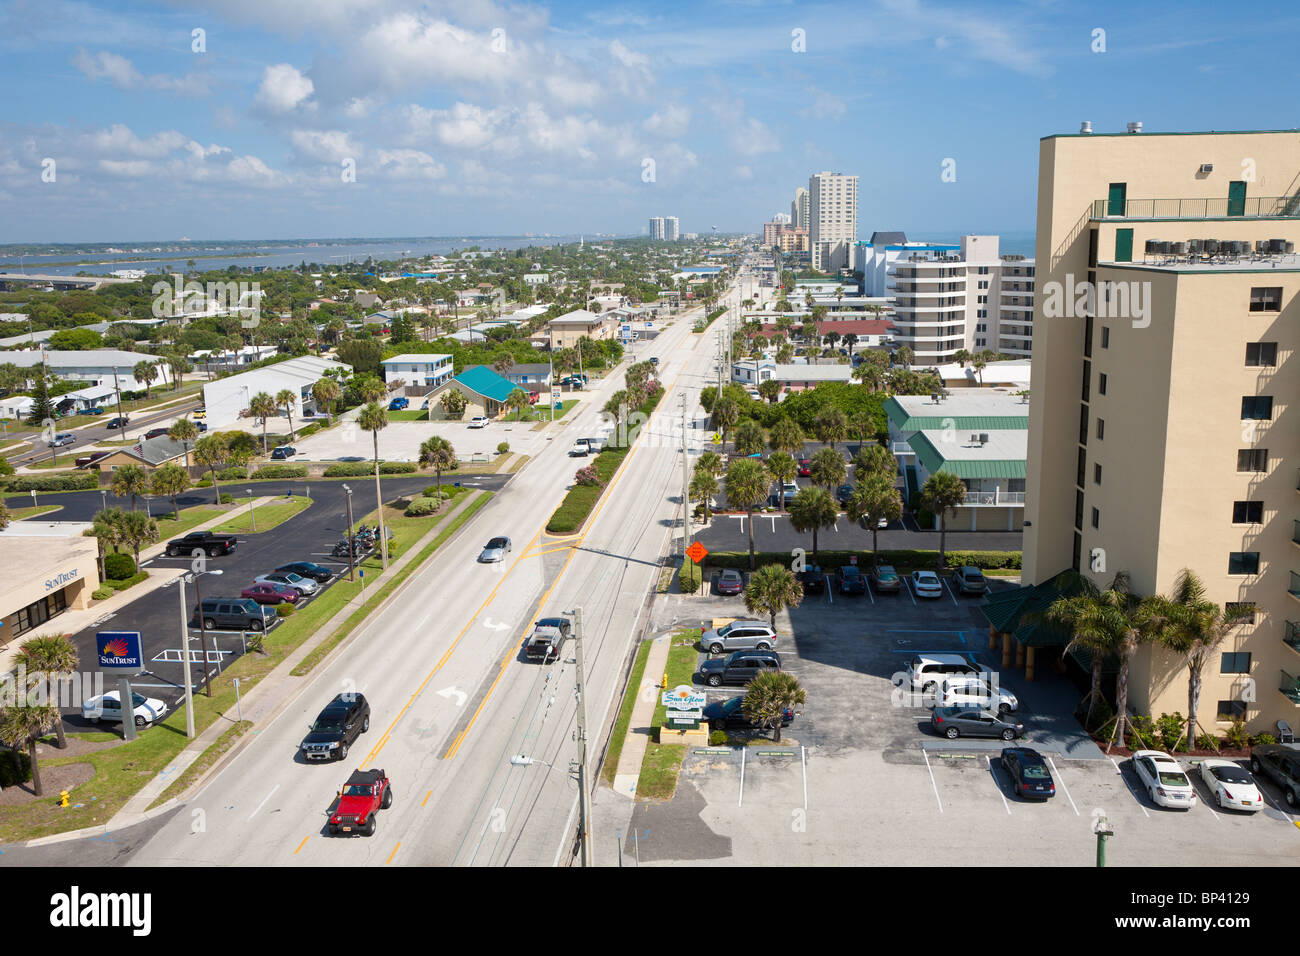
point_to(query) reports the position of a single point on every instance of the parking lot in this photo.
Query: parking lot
(860, 778)
(401, 441)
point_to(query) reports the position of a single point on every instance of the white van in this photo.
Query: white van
(927, 671)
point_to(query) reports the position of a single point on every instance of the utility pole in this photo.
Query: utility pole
(580, 692)
(185, 659)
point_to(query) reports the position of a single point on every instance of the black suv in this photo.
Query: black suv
(1281, 764)
(343, 720)
(237, 614)
(740, 667)
(307, 569)
(813, 580)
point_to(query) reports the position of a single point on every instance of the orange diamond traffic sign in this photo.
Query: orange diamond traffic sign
(697, 552)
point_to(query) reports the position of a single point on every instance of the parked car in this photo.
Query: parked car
(1231, 784)
(94, 411)
(852, 581)
(94, 456)
(234, 614)
(954, 722)
(363, 796)
(926, 584)
(580, 449)
(282, 452)
(154, 433)
(336, 728)
(722, 714)
(654, 360)
(299, 583)
(805, 467)
(1029, 773)
(739, 667)
(205, 541)
(201, 426)
(967, 690)
(1164, 780)
(116, 423)
(784, 492)
(264, 592)
(730, 583)
(199, 414)
(844, 493)
(399, 403)
(61, 439)
(739, 636)
(885, 579)
(146, 710)
(813, 580)
(1281, 764)
(968, 580)
(317, 572)
(479, 421)
(926, 671)
(496, 550)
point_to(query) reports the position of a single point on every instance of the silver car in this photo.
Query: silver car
(496, 550)
(289, 579)
(740, 636)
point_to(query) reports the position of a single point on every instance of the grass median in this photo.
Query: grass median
(663, 762)
(581, 499)
(263, 517)
(624, 720)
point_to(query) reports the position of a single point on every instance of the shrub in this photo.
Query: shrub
(1102, 714)
(447, 492)
(1206, 742)
(284, 609)
(203, 483)
(311, 429)
(121, 584)
(690, 577)
(102, 593)
(503, 447)
(422, 507)
(6, 469)
(226, 499)
(118, 566)
(1142, 732)
(11, 776)
(359, 469)
(1172, 731)
(65, 481)
(1236, 737)
(281, 471)
(234, 473)
(1262, 739)
(587, 476)
(717, 738)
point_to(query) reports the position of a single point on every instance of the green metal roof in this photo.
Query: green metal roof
(933, 461)
(903, 422)
(1019, 612)
(486, 382)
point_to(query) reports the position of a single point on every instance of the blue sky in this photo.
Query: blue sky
(498, 118)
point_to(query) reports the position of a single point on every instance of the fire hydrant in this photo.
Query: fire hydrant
(63, 798)
(664, 685)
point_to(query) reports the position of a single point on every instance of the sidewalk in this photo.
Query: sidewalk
(276, 690)
(639, 729)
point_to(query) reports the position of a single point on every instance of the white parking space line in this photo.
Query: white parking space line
(950, 594)
(803, 763)
(928, 770)
(1057, 774)
(1276, 806)
(989, 761)
(740, 801)
(1129, 787)
(830, 598)
(264, 799)
(870, 595)
(908, 584)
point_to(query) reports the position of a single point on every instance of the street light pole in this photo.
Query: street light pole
(185, 657)
(580, 691)
(251, 514)
(348, 537)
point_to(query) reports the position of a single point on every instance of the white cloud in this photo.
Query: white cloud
(409, 164)
(327, 146)
(627, 57)
(743, 172)
(670, 123)
(121, 73)
(283, 88)
(823, 105)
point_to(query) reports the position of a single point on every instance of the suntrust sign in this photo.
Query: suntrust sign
(62, 579)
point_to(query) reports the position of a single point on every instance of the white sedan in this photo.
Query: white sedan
(1231, 784)
(926, 584)
(1164, 780)
(109, 707)
(478, 421)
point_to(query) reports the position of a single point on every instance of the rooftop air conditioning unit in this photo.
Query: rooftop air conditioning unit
(1085, 127)
(1207, 167)
(1135, 127)
(984, 438)
(974, 438)
(934, 397)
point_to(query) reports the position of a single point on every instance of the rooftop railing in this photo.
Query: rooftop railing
(1258, 207)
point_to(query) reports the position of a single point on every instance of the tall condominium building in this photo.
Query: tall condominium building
(950, 298)
(1164, 414)
(832, 220)
(799, 209)
(656, 227)
(671, 230)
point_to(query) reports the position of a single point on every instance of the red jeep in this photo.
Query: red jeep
(365, 793)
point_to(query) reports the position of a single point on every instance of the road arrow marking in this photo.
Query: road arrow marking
(450, 692)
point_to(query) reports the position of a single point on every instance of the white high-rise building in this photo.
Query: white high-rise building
(832, 220)
(656, 227)
(672, 231)
(799, 209)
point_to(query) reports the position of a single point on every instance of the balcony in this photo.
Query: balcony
(1291, 635)
(1294, 589)
(995, 499)
(1290, 688)
(901, 448)
(1259, 207)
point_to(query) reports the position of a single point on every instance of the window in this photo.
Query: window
(1247, 512)
(1231, 710)
(1257, 408)
(1087, 336)
(1101, 428)
(1233, 605)
(1082, 464)
(1234, 662)
(1266, 299)
(1243, 562)
(1083, 424)
(1252, 459)
(1101, 383)
(1096, 474)
(1078, 550)
(1096, 518)
(1261, 354)
(1105, 336)
(1087, 380)
(1078, 509)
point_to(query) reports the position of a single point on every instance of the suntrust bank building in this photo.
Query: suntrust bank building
(49, 567)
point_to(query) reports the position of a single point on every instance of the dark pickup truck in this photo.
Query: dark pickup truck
(547, 638)
(205, 541)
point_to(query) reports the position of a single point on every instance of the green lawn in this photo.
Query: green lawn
(659, 770)
(682, 658)
(624, 719)
(18, 514)
(409, 415)
(171, 527)
(263, 517)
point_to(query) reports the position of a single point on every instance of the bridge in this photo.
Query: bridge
(10, 280)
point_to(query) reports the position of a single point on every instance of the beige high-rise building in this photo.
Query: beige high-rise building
(799, 209)
(832, 220)
(1163, 428)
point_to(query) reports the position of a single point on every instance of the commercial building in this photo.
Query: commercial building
(227, 398)
(874, 257)
(418, 369)
(1163, 419)
(832, 220)
(94, 366)
(672, 229)
(566, 330)
(49, 567)
(1013, 374)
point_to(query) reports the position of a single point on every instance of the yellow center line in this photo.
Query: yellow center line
(301, 845)
(391, 855)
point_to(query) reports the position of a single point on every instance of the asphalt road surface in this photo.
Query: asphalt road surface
(139, 423)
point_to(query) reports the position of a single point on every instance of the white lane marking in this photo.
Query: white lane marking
(264, 799)
(932, 783)
(1129, 788)
(740, 802)
(988, 760)
(1057, 774)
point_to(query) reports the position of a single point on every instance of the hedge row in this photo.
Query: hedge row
(903, 560)
(577, 504)
(359, 469)
(281, 471)
(78, 481)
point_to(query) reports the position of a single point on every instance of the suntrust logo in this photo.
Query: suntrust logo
(193, 298)
(1105, 300)
(75, 909)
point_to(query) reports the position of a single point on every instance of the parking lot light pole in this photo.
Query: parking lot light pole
(251, 514)
(352, 574)
(203, 634)
(103, 498)
(185, 658)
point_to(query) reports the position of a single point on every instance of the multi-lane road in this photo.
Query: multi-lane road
(452, 699)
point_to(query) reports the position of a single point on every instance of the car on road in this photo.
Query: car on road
(479, 421)
(362, 797)
(813, 580)
(805, 467)
(954, 722)
(968, 580)
(115, 423)
(61, 439)
(572, 382)
(926, 671)
(739, 636)
(264, 592)
(146, 710)
(299, 583)
(199, 414)
(1231, 785)
(886, 580)
(740, 667)
(926, 584)
(969, 690)
(232, 614)
(547, 639)
(283, 452)
(1281, 764)
(722, 714)
(852, 580)
(1029, 773)
(580, 449)
(317, 572)
(205, 541)
(496, 550)
(1164, 780)
(399, 403)
(654, 360)
(730, 583)
(336, 728)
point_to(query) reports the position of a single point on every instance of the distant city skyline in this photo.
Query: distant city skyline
(247, 119)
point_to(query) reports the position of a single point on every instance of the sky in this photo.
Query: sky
(247, 119)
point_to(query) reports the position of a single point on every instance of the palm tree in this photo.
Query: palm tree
(827, 468)
(725, 415)
(961, 357)
(21, 725)
(170, 480)
(831, 425)
(374, 418)
(772, 589)
(210, 451)
(285, 399)
(503, 363)
(749, 438)
(746, 483)
(943, 492)
(905, 356)
(184, 431)
(770, 390)
(49, 657)
(783, 468)
(263, 406)
(786, 436)
(875, 460)
(138, 529)
(129, 481)
(769, 696)
(811, 510)
(711, 462)
(372, 390)
(145, 371)
(437, 453)
(704, 485)
(862, 426)
(518, 400)
(870, 375)
(326, 392)
(875, 497)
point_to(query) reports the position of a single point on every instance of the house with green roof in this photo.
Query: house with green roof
(485, 392)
